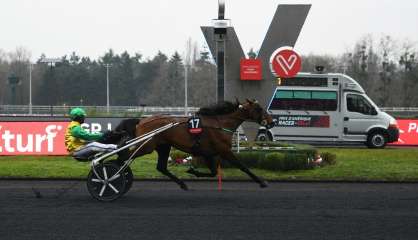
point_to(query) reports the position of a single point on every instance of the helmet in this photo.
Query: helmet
(77, 113)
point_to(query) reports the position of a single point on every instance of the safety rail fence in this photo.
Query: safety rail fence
(43, 110)
(25, 110)
(402, 112)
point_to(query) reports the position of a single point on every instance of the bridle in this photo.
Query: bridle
(262, 121)
(242, 110)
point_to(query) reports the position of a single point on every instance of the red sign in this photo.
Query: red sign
(251, 69)
(408, 132)
(285, 63)
(32, 138)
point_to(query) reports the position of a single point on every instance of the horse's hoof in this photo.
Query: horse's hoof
(263, 184)
(184, 187)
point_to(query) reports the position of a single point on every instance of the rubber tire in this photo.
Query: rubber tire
(377, 139)
(128, 175)
(263, 137)
(94, 188)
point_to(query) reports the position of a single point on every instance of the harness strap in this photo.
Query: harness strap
(228, 130)
(221, 129)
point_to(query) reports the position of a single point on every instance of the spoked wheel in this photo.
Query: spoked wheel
(128, 175)
(104, 185)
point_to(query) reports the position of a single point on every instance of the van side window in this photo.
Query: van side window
(304, 100)
(357, 103)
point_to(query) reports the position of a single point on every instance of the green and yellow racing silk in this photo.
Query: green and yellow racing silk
(76, 136)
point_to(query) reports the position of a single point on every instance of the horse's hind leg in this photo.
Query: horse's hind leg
(211, 163)
(163, 153)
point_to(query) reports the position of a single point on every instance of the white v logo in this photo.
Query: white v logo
(288, 64)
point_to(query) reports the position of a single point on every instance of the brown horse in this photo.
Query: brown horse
(218, 123)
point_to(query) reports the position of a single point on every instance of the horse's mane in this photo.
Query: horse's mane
(128, 125)
(220, 108)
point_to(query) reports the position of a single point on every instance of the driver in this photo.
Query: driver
(80, 143)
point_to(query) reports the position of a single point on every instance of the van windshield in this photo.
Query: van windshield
(305, 100)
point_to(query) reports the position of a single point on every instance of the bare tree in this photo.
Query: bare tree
(21, 54)
(408, 75)
(3, 56)
(4, 68)
(387, 48)
(311, 61)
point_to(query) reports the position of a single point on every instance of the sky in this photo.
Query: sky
(91, 27)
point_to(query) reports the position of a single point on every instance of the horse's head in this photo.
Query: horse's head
(254, 112)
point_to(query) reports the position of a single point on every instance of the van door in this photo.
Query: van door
(358, 117)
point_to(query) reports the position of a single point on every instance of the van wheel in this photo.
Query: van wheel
(263, 137)
(377, 139)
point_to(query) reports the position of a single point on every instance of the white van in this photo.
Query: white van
(329, 107)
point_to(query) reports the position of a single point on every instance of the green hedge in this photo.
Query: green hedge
(299, 158)
(285, 162)
(272, 161)
(250, 159)
(275, 161)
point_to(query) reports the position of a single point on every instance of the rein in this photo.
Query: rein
(227, 130)
(230, 131)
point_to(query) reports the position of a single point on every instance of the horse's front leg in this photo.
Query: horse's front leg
(211, 164)
(230, 157)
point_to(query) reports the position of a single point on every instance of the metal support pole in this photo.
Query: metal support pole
(30, 88)
(220, 62)
(13, 94)
(237, 132)
(107, 88)
(220, 38)
(51, 62)
(186, 76)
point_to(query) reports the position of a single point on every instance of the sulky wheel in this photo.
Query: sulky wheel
(128, 175)
(103, 184)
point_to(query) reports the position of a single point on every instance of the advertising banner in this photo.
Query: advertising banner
(44, 138)
(32, 138)
(408, 132)
(302, 121)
